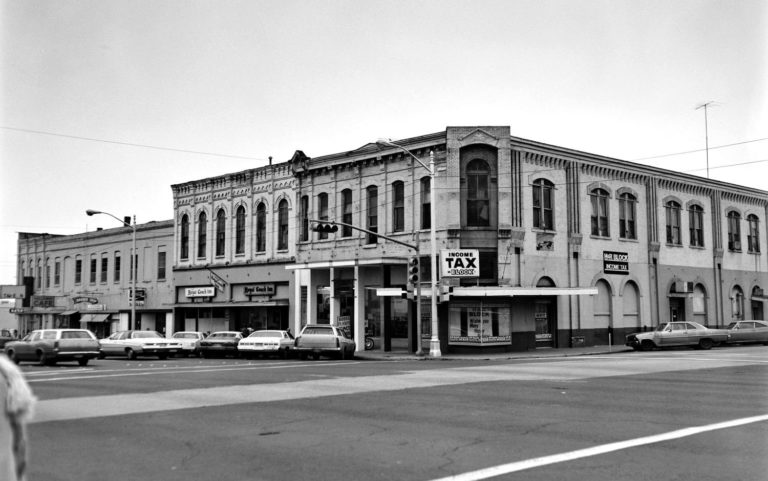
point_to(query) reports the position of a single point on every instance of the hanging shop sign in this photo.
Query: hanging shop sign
(12, 292)
(208, 291)
(43, 301)
(615, 263)
(459, 263)
(86, 300)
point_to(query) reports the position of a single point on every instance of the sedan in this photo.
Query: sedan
(139, 343)
(190, 342)
(267, 342)
(669, 334)
(48, 346)
(220, 343)
(748, 331)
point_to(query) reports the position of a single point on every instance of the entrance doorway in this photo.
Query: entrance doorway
(545, 316)
(676, 309)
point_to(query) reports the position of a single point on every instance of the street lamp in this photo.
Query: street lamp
(134, 260)
(434, 343)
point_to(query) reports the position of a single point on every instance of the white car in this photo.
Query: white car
(139, 343)
(190, 342)
(266, 342)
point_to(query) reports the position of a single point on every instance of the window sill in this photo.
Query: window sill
(282, 251)
(627, 239)
(370, 246)
(668, 244)
(754, 253)
(599, 237)
(701, 248)
(543, 231)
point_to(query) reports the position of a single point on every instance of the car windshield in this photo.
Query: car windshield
(185, 335)
(732, 325)
(222, 335)
(146, 334)
(661, 327)
(266, 334)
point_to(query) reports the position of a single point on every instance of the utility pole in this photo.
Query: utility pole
(705, 106)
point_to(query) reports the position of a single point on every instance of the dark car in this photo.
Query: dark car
(743, 332)
(220, 343)
(6, 336)
(48, 346)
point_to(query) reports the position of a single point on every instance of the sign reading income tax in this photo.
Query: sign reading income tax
(459, 263)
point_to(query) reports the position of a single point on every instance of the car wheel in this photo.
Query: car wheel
(83, 362)
(131, 354)
(705, 344)
(284, 354)
(316, 356)
(369, 344)
(13, 357)
(162, 357)
(647, 345)
(42, 359)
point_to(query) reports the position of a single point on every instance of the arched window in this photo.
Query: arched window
(699, 303)
(734, 231)
(398, 206)
(672, 210)
(602, 304)
(240, 230)
(599, 216)
(184, 237)
(202, 235)
(261, 227)
(322, 212)
(696, 225)
(478, 194)
(630, 301)
(627, 203)
(426, 203)
(282, 217)
(753, 236)
(372, 222)
(346, 212)
(221, 231)
(543, 217)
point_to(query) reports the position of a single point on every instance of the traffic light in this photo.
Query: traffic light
(325, 227)
(413, 272)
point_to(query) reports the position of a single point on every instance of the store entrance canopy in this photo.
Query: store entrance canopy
(86, 318)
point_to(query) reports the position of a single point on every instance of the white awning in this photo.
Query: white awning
(395, 261)
(493, 291)
(86, 318)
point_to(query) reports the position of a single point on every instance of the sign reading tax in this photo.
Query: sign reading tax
(459, 263)
(615, 262)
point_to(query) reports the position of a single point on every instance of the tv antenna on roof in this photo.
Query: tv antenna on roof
(705, 106)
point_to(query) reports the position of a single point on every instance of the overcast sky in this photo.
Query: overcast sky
(106, 103)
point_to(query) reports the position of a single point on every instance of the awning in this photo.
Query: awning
(86, 318)
(394, 261)
(68, 313)
(492, 291)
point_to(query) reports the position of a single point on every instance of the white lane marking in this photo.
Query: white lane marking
(194, 370)
(494, 471)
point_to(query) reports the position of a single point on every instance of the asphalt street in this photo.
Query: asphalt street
(680, 414)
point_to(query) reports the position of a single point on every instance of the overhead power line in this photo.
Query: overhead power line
(130, 144)
(699, 150)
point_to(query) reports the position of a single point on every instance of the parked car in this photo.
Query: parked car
(748, 331)
(48, 346)
(669, 334)
(220, 343)
(139, 343)
(6, 336)
(267, 342)
(190, 342)
(324, 340)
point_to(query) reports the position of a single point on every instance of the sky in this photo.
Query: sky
(104, 104)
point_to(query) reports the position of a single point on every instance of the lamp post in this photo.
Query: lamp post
(134, 260)
(434, 343)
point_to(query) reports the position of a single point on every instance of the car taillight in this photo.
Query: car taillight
(337, 342)
(56, 345)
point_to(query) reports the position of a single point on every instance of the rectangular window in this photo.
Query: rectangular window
(134, 265)
(398, 206)
(78, 271)
(93, 270)
(104, 267)
(161, 265)
(696, 226)
(373, 214)
(47, 274)
(117, 267)
(57, 273)
(673, 223)
(734, 231)
(346, 212)
(304, 218)
(481, 324)
(627, 217)
(599, 218)
(426, 203)
(322, 212)
(753, 236)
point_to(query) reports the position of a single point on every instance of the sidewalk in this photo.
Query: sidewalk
(378, 355)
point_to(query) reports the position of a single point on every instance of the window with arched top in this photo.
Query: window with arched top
(672, 210)
(184, 235)
(322, 212)
(221, 232)
(543, 204)
(282, 220)
(372, 222)
(737, 303)
(240, 230)
(696, 225)
(426, 203)
(202, 235)
(346, 212)
(599, 217)
(630, 305)
(753, 235)
(478, 176)
(734, 231)
(627, 214)
(261, 227)
(304, 218)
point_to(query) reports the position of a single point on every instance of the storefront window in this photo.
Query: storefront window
(474, 324)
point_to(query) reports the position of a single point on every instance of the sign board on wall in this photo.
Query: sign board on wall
(615, 262)
(259, 290)
(459, 263)
(12, 292)
(207, 291)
